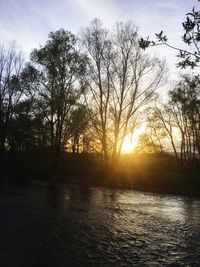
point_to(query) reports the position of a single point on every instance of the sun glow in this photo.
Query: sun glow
(131, 142)
(128, 145)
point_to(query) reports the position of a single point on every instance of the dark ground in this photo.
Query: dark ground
(141, 172)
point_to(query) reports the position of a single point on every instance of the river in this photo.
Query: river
(43, 224)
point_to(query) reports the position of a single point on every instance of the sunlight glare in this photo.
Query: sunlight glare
(130, 143)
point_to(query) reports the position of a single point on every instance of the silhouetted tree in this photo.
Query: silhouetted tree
(97, 80)
(21, 124)
(78, 124)
(180, 118)
(135, 78)
(52, 80)
(11, 64)
(152, 140)
(120, 78)
(28, 128)
(185, 107)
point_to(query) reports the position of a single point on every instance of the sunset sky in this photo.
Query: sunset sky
(29, 22)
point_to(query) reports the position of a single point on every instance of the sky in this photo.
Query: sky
(29, 21)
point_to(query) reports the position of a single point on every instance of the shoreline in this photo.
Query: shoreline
(64, 180)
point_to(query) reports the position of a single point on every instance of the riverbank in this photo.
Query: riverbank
(149, 174)
(81, 181)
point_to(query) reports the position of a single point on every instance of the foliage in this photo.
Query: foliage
(191, 37)
(89, 100)
(52, 80)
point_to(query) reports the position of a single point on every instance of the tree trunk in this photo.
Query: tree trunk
(2, 144)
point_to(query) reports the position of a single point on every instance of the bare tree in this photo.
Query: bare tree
(164, 115)
(151, 141)
(121, 80)
(185, 107)
(135, 79)
(11, 63)
(180, 118)
(99, 50)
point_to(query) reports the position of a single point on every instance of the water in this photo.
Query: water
(60, 225)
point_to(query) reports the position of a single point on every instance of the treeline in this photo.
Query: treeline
(76, 93)
(176, 122)
(87, 93)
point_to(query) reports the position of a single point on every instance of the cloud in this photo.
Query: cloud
(107, 11)
(172, 5)
(29, 22)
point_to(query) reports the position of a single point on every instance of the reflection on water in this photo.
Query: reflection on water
(56, 225)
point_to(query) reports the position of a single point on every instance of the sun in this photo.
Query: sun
(131, 142)
(128, 145)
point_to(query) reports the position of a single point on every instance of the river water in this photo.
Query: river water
(60, 225)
